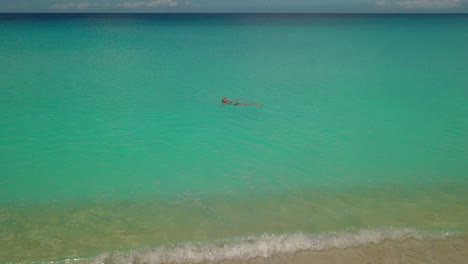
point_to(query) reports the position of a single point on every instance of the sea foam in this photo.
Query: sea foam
(265, 245)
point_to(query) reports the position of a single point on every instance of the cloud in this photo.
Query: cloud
(427, 4)
(420, 4)
(190, 4)
(81, 5)
(150, 4)
(126, 5)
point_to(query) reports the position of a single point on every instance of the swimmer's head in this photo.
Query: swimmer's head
(224, 100)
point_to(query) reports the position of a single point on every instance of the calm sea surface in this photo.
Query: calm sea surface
(112, 138)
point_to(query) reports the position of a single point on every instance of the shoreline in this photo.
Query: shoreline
(443, 251)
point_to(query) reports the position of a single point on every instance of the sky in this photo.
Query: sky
(235, 6)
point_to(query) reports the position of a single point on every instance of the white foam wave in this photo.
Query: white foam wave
(261, 246)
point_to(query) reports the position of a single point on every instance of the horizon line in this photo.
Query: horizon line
(253, 13)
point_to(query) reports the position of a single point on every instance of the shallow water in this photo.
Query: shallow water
(113, 139)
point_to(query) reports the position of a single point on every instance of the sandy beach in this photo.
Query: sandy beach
(450, 251)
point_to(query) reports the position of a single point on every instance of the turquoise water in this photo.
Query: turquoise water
(112, 137)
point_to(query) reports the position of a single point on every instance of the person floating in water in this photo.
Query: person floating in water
(234, 102)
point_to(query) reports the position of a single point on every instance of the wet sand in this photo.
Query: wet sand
(451, 251)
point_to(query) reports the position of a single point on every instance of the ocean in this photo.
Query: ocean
(114, 147)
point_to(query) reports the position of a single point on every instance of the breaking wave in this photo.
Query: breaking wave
(265, 246)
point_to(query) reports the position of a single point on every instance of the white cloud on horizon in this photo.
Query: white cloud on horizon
(150, 4)
(420, 4)
(190, 4)
(126, 5)
(80, 6)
